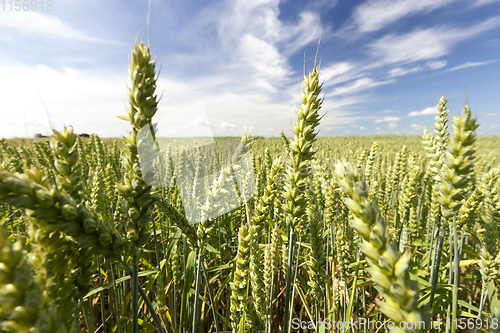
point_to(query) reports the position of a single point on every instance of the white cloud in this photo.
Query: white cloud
(227, 125)
(431, 110)
(417, 128)
(257, 43)
(483, 2)
(391, 118)
(41, 24)
(198, 122)
(88, 101)
(335, 70)
(261, 19)
(417, 45)
(491, 114)
(358, 85)
(343, 72)
(308, 29)
(436, 64)
(6, 38)
(398, 71)
(393, 125)
(362, 128)
(425, 44)
(322, 4)
(342, 102)
(387, 119)
(471, 64)
(377, 14)
(270, 67)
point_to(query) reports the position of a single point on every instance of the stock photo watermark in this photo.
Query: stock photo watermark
(180, 150)
(26, 5)
(368, 324)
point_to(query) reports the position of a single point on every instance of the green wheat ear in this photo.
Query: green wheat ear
(458, 163)
(301, 152)
(388, 268)
(143, 106)
(67, 163)
(239, 286)
(23, 304)
(441, 124)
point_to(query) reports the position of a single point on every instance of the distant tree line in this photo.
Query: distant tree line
(82, 135)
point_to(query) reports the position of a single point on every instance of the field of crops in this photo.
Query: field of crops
(299, 233)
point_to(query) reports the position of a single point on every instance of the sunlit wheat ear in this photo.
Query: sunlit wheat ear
(344, 254)
(319, 177)
(441, 124)
(392, 189)
(388, 268)
(370, 162)
(468, 212)
(264, 203)
(408, 194)
(67, 163)
(330, 202)
(284, 257)
(458, 163)
(298, 168)
(433, 154)
(271, 257)
(143, 105)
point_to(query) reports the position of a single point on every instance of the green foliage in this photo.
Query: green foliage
(93, 231)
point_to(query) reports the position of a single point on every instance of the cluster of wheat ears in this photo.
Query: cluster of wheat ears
(330, 231)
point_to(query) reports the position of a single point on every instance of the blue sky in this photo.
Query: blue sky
(385, 63)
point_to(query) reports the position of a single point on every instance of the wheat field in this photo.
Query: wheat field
(292, 234)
